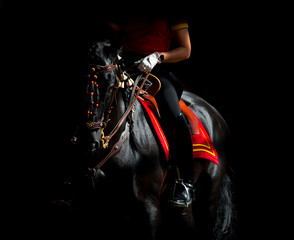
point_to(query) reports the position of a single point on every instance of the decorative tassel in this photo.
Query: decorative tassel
(124, 76)
(130, 82)
(121, 85)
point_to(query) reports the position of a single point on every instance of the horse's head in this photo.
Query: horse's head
(102, 82)
(101, 79)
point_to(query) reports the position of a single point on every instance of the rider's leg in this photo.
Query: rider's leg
(182, 192)
(168, 100)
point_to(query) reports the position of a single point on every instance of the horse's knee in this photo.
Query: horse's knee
(151, 208)
(148, 218)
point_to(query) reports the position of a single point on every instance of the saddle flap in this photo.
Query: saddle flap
(153, 104)
(202, 144)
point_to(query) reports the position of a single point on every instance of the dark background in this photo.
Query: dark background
(230, 67)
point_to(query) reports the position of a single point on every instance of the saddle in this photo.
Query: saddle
(152, 88)
(202, 144)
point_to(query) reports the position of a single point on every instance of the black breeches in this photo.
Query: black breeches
(168, 101)
(168, 97)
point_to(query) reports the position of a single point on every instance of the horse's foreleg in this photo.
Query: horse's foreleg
(147, 191)
(150, 216)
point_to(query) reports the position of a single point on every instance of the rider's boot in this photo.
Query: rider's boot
(182, 192)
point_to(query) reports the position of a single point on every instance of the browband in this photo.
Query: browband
(105, 68)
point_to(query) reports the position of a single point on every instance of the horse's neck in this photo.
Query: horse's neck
(117, 110)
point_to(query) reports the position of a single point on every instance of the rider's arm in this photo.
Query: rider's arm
(181, 52)
(183, 49)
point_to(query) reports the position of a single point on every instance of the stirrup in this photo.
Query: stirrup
(182, 194)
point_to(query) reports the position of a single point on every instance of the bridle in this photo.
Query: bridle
(92, 125)
(122, 79)
(105, 68)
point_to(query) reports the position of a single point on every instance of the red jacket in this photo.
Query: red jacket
(145, 36)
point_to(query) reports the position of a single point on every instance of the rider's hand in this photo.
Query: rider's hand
(148, 63)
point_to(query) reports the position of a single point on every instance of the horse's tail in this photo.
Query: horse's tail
(226, 214)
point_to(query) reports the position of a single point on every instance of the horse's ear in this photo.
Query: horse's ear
(113, 47)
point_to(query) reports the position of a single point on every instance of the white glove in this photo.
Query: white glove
(148, 63)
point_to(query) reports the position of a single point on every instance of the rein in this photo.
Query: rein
(131, 104)
(91, 125)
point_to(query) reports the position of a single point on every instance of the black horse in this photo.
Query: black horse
(121, 166)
